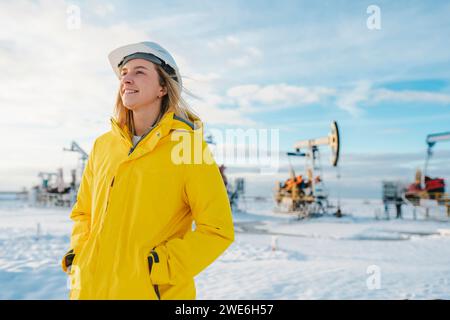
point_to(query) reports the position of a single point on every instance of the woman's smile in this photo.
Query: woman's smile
(129, 91)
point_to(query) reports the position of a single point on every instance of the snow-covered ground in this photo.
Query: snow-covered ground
(275, 256)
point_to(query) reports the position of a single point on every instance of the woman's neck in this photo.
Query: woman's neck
(144, 118)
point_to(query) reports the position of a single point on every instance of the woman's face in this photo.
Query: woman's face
(139, 84)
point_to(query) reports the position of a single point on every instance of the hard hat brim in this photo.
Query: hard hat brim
(116, 56)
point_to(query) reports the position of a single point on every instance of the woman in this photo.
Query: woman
(142, 189)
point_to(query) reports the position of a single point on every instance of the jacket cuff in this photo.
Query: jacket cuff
(67, 260)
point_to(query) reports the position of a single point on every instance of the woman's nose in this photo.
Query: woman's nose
(127, 79)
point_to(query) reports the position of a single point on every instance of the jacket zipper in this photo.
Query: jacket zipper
(109, 192)
(154, 125)
(142, 138)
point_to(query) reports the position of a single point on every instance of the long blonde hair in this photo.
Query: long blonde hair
(172, 101)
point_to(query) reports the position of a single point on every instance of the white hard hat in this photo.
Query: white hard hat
(147, 50)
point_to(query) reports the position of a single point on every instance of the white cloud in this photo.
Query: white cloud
(250, 98)
(237, 54)
(103, 9)
(221, 43)
(349, 100)
(411, 96)
(247, 57)
(209, 110)
(209, 104)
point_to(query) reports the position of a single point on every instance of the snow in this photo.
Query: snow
(354, 257)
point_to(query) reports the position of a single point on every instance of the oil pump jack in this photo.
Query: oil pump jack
(424, 186)
(306, 195)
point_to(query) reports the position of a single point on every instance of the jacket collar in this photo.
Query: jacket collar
(148, 142)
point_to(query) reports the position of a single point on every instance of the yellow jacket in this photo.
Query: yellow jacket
(133, 235)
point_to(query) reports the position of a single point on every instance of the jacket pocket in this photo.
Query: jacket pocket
(68, 259)
(151, 259)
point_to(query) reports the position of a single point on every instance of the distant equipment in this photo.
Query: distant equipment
(393, 192)
(431, 141)
(426, 191)
(235, 190)
(83, 155)
(53, 191)
(306, 195)
(331, 140)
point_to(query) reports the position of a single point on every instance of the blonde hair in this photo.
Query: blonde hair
(172, 101)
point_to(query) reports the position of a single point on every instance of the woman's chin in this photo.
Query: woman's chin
(130, 106)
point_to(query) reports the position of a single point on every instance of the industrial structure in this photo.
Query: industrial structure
(306, 195)
(425, 191)
(53, 190)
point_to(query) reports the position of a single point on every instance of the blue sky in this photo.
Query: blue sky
(326, 44)
(290, 65)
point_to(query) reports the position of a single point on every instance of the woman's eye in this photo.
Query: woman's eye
(139, 72)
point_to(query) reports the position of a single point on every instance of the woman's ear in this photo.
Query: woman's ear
(162, 92)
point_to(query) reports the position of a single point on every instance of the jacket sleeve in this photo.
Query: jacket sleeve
(181, 258)
(81, 213)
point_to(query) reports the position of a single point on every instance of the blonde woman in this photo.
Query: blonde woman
(142, 189)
